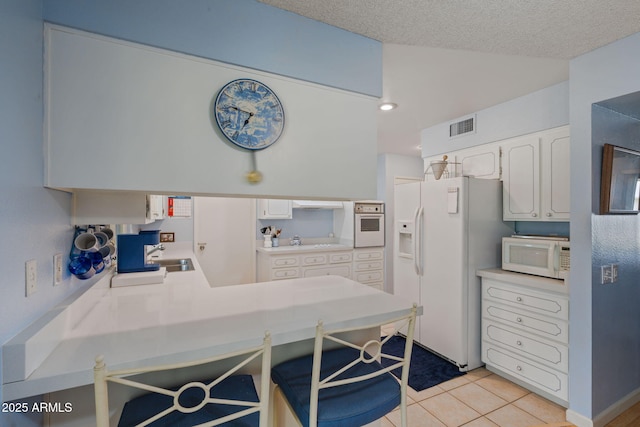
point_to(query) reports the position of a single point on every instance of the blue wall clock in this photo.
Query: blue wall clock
(249, 114)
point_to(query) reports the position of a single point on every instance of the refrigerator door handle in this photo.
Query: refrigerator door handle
(417, 241)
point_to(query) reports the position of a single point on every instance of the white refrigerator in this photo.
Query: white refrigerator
(444, 231)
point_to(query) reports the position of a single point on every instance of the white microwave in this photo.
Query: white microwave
(542, 256)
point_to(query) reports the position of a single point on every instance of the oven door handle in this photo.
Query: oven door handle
(417, 241)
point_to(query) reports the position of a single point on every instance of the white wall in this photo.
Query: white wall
(34, 221)
(598, 343)
(153, 116)
(241, 32)
(544, 109)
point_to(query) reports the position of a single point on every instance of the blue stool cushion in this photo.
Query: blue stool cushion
(238, 387)
(347, 405)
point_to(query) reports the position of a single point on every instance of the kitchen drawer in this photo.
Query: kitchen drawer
(529, 322)
(314, 259)
(339, 257)
(368, 254)
(546, 352)
(337, 270)
(284, 261)
(368, 265)
(285, 273)
(369, 276)
(517, 296)
(546, 379)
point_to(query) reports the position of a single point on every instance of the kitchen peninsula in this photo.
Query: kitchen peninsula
(180, 319)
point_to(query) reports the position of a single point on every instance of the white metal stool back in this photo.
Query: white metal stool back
(102, 376)
(369, 354)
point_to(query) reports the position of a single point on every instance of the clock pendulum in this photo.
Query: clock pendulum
(254, 176)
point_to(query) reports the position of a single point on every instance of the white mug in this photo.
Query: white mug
(87, 242)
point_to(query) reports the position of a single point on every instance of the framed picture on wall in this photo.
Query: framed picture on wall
(620, 185)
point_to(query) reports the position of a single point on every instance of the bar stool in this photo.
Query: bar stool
(346, 386)
(212, 402)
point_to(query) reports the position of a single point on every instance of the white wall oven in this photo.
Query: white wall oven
(368, 224)
(539, 255)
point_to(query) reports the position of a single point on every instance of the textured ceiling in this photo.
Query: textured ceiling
(526, 45)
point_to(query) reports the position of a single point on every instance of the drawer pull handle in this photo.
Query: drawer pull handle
(519, 368)
(519, 343)
(519, 319)
(519, 299)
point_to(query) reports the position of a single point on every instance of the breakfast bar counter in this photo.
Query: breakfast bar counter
(180, 319)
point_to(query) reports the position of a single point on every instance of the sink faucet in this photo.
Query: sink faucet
(156, 248)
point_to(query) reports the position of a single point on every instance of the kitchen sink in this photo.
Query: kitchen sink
(178, 264)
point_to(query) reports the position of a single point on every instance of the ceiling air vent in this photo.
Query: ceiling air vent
(462, 127)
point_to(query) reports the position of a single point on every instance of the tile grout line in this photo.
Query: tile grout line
(474, 381)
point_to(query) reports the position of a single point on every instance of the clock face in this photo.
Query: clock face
(249, 114)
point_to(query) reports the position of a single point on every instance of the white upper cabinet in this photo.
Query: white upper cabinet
(521, 178)
(555, 157)
(535, 173)
(116, 207)
(482, 161)
(274, 209)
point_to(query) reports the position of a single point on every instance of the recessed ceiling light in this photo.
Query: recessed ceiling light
(388, 106)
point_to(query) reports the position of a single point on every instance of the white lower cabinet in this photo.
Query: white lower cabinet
(525, 336)
(368, 267)
(326, 263)
(362, 265)
(341, 270)
(277, 267)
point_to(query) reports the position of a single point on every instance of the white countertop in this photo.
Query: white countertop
(311, 247)
(184, 318)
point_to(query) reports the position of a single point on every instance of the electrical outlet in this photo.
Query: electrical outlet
(606, 274)
(30, 276)
(57, 269)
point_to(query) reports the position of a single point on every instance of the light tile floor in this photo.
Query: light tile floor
(483, 399)
(478, 399)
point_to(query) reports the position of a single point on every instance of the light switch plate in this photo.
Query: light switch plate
(57, 269)
(30, 276)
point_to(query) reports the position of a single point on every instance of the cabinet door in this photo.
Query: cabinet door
(274, 209)
(110, 207)
(156, 207)
(548, 380)
(340, 257)
(480, 162)
(343, 270)
(555, 197)
(314, 259)
(521, 179)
